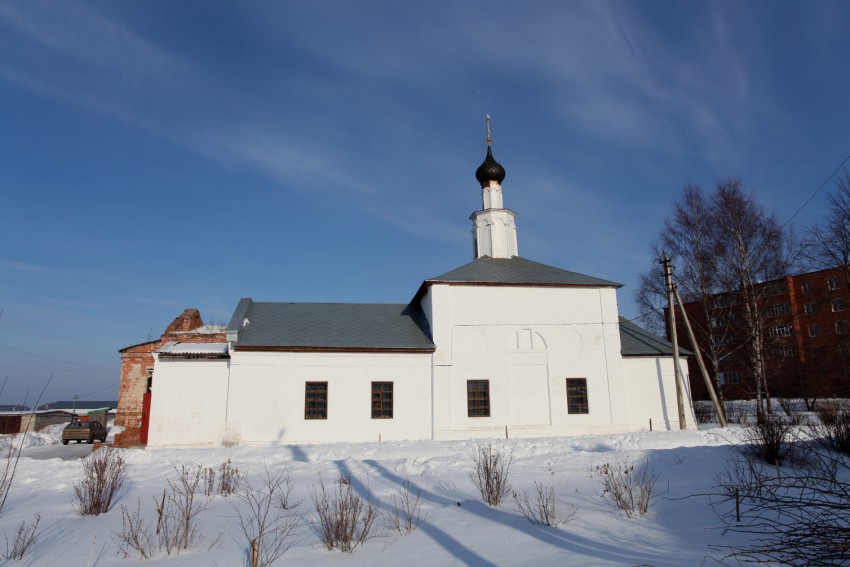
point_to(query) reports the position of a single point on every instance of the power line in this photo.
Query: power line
(50, 359)
(818, 190)
(101, 390)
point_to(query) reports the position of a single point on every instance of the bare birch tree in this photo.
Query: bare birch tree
(723, 243)
(827, 245)
(753, 249)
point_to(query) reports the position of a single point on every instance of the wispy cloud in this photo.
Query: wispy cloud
(25, 267)
(77, 32)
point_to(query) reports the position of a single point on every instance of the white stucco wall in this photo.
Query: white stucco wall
(267, 393)
(526, 341)
(651, 391)
(188, 402)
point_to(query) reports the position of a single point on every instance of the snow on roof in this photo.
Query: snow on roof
(205, 330)
(194, 348)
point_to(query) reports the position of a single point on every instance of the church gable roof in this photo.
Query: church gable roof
(329, 326)
(517, 271)
(636, 341)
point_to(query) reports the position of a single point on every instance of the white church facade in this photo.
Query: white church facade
(500, 346)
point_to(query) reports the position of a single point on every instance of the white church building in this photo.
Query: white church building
(499, 346)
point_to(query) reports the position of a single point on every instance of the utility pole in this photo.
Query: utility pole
(721, 414)
(671, 316)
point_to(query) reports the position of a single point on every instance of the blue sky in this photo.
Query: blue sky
(160, 155)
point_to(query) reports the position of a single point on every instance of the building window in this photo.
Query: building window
(720, 340)
(837, 305)
(781, 330)
(778, 310)
(814, 330)
(807, 288)
(809, 308)
(149, 380)
(577, 395)
(316, 400)
(841, 327)
(382, 400)
(478, 398)
(832, 283)
(782, 351)
(729, 377)
(777, 288)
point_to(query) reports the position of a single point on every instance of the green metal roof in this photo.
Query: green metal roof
(369, 326)
(636, 341)
(517, 271)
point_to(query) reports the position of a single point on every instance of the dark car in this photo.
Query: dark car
(87, 431)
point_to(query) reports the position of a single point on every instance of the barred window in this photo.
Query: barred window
(316, 400)
(778, 310)
(730, 377)
(382, 400)
(577, 395)
(781, 331)
(478, 398)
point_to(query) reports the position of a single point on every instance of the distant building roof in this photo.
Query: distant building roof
(636, 341)
(329, 326)
(79, 405)
(517, 271)
(194, 350)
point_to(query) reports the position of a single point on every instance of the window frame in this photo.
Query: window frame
(837, 305)
(832, 283)
(580, 399)
(379, 404)
(810, 308)
(474, 398)
(814, 329)
(785, 330)
(807, 288)
(730, 377)
(316, 411)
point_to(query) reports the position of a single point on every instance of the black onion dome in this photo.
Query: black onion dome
(490, 170)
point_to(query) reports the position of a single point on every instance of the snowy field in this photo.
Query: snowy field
(459, 528)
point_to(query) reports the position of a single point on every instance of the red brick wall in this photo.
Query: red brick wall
(135, 361)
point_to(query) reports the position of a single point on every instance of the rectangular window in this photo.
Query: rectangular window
(782, 351)
(832, 283)
(730, 377)
(316, 400)
(781, 331)
(807, 288)
(777, 288)
(778, 310)
(382, 400)
(841, 327)
(478, 398)
(809, 308)
(719, 340)
(577, 395)
(814, 330)
(837, 305)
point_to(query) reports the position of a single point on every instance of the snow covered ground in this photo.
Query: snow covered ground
(459, 530)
